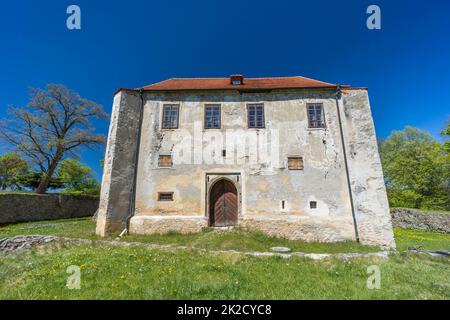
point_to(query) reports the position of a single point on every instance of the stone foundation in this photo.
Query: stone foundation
(165, 224)
(296, 228)
(292, 228)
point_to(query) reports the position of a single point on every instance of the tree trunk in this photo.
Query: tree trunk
(43, 184)
(45, 180)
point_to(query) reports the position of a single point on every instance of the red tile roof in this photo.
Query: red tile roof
(225, 84)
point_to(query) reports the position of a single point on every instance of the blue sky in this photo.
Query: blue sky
(405, 65)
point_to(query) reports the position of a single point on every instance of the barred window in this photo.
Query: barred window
(165, 196)
(316, 117)
(255, 115)
(212, 117)
(295, 163)
(165, 161)
(170, 116)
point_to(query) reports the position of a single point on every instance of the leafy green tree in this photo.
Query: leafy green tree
(446, 133)
(11, 166)
(77, 178)
(416, 170)
(31, 180)
(56, 122)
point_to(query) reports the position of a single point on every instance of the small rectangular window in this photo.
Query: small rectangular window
(295, 163)
(165, 196)
(255, 115)
(165, 161)
(170, 116)
(313, 204)
(316, 117)
(212, 117)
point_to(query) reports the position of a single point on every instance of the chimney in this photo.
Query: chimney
(237, 79)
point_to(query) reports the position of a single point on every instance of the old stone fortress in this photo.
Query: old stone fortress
(292, 157)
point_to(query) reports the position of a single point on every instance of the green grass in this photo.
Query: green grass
(72, 228)
(244, 240)
(236, 239)
(226, 240)
(427, 240)
(17, 192)
(140, 273)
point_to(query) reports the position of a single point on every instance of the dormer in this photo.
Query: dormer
(237, 79)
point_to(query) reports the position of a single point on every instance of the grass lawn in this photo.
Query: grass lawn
(231, 240)
(208, 239)
(428, 240)
(142, 273)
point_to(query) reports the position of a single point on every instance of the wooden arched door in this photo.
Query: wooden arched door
(223, 204)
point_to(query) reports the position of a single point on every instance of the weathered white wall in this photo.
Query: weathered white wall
(265, 184)
(118, 171)
(262, 185)
(366, 175)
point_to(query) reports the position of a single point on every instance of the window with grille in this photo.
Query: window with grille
(165, 161)
(165, 196)
(255, 115)
(170, 116)
(316, 117)
(212, 117)
(295, 163)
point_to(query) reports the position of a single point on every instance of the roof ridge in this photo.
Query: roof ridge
(221, 78)
(313, 79)
(274, 77)
(206, 83)
(152, 84)
(255, 78)
(200, 78)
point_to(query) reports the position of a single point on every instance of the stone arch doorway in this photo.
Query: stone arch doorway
(223, 204)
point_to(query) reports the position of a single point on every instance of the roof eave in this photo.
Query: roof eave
(149, 90)
(239, 89)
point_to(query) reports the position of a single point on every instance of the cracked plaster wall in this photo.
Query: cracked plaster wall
(263, 184)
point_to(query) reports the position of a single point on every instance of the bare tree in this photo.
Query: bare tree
(56, 122)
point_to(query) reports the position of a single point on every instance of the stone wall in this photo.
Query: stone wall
(33, 207)
(370, 201)
(118, 174)
(421, 220)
